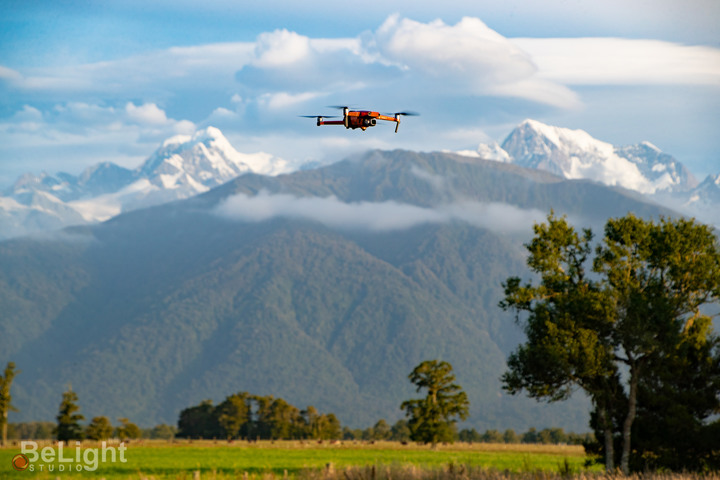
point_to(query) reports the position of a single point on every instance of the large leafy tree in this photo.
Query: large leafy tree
(5, 398)
(68, 420)
(651, 279)
(431, 418)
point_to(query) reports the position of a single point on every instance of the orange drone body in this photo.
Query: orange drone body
(362, 119)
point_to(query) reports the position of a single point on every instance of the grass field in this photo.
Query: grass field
(265, 460)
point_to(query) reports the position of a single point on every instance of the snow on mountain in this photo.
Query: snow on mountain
(704, 201)
(183, 166)
(707, 192)
(186, 165)
(34, 211)
(661, 169)
(575, 154)
(207, 158)
(488, 151)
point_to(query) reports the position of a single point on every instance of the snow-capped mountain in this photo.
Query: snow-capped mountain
(644, 168)
(183, 166)
(575, 154)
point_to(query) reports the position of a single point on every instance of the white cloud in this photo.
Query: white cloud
(148, 113)
(280, 47)
(145, 74)
(618, 61)
(540, 91)
(282, 100)
(468, 50)
(71, 136)
(9, 74)
(402, 55)
(374, 216)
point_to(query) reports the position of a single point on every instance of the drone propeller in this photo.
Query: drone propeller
(397, 116)
(319, 118)
(345, 110)
(405, 114)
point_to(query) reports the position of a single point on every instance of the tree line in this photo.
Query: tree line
(69, 428)
(44, 431)
(246, 416)
(546, 436)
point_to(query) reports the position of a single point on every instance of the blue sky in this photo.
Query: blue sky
(88, 81)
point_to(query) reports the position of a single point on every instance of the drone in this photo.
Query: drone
(362, 119)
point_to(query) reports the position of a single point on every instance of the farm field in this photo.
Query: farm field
(294, 459)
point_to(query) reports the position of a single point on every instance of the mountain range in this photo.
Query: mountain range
(324, 286)
(184, 166)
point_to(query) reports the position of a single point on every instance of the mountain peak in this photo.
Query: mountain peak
(575, 154)
(650, 146)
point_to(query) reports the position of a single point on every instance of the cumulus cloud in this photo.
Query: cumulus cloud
(404, 55)
(280, 47)
(81, 117)
(148, 113)
(290, 63)
(82, 134)
(469, 50)
(374, 216)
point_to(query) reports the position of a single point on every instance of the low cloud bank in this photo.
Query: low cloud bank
(376, 216)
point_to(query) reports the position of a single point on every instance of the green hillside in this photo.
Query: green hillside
(159, 309)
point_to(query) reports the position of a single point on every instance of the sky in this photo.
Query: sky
(83, 82)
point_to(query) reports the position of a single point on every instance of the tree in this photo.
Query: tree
(468, 435)
(311, 418)
(284, 420)
(400, 432)
(68, 421)
(492, 436)
(652, 280)
(127, 430)
(381, 430)
(163, 431)
(99, 428)
(509, 436)
(329, 427)
(233, 415)
(199, 421)
(5, 406)
(432, 419)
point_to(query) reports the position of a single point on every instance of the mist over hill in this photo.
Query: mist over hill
(324, 287)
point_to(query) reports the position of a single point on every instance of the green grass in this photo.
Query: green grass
(180, 460)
